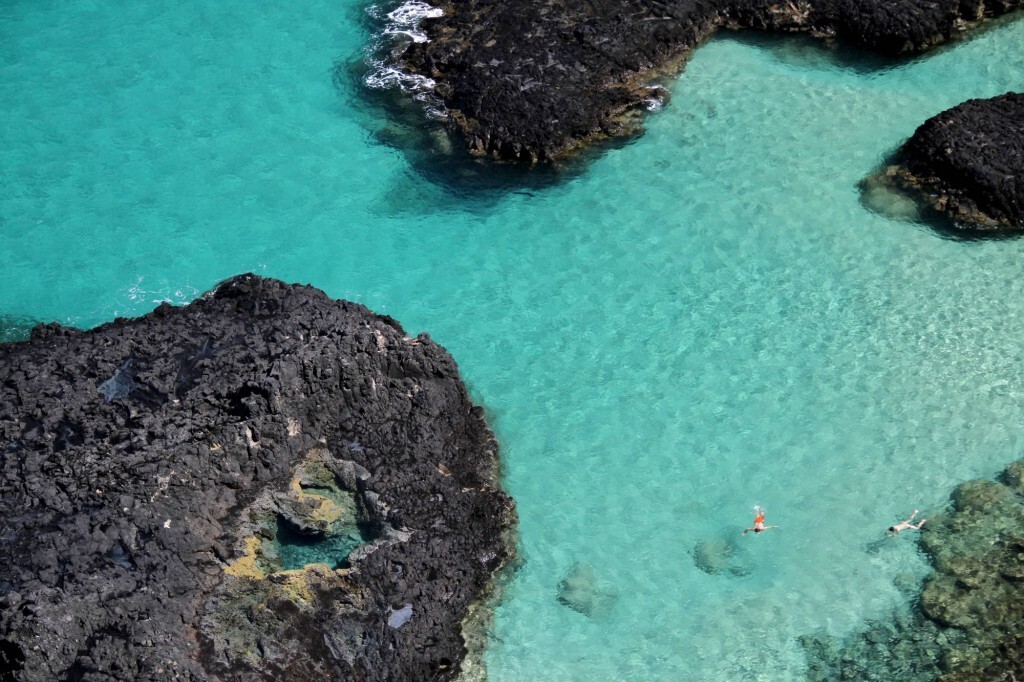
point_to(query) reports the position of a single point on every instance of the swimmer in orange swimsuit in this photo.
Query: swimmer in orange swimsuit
(758, 521)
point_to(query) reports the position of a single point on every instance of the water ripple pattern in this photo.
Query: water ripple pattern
(706, 319)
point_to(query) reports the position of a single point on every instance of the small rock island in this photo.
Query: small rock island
(967, 163)
(263, 484)
(531, 82)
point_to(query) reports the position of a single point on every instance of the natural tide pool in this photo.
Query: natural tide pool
(701, 320)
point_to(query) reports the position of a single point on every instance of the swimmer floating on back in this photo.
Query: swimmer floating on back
(905, 525)
(758, 521)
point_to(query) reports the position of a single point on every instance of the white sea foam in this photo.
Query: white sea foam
(392, 77)
(414, 36)
(413, 12)
(137, 298)
(383, 76)
(658, 99)
(402, 27)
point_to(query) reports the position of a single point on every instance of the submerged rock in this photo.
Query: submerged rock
(581, 591)
(907, 648)
(533, 81)
(969, 611)
(716, 556)
(967, 163)
(15, 328)
(142, 537)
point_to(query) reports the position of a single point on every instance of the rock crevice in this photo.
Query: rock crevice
(145, 465)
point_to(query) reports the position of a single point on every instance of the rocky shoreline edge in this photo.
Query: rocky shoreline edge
(263, 484)
(532, 83)
(964, 624)
(966, 163)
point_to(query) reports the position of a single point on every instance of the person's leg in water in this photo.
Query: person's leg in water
(906, 525)
(758, 521)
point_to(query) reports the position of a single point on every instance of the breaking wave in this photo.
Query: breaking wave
(406, 19)
(401, 28)
(657, 99)
(139, 298)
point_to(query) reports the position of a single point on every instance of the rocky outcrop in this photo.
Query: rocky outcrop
(168, 484)
(967, 622)
(968, 163)
(532, 81)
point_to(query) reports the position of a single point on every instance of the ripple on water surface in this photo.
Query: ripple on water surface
(705, 319)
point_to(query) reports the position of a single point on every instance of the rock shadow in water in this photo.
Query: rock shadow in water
(811, 52)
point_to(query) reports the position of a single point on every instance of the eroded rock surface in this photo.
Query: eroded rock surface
(149, 469)
(968, 163)
(532, 81)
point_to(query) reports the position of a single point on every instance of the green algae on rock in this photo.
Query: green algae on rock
(150, 469)
(978, 583)
(965, 163)
(967, 620)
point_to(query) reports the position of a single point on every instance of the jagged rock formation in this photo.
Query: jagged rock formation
(533, 81)
(966, 625)
(154, 471)
(968, 163)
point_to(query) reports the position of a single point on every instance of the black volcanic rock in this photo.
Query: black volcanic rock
(151, 471)
(968, 162)
(533, 80)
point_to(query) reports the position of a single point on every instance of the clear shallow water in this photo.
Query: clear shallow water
(704, 319)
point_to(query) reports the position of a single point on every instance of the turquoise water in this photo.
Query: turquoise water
(705, 319)
(296, 551)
